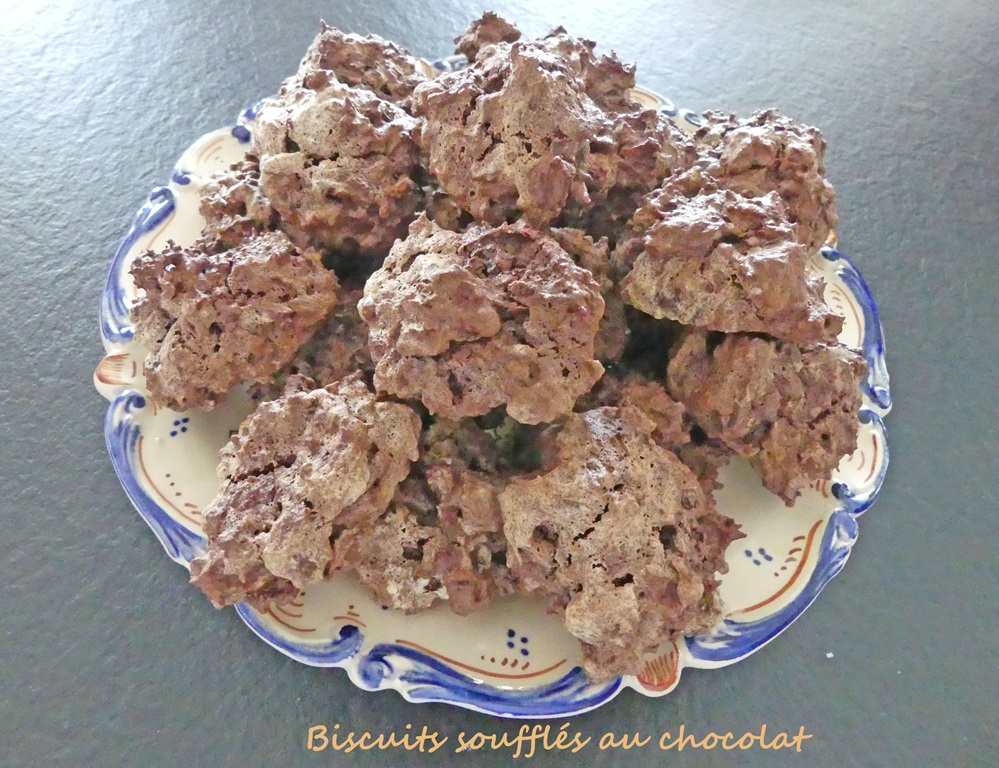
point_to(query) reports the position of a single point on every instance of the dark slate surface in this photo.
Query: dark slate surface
(109, 658)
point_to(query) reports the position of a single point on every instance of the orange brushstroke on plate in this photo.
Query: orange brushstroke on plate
(351, 619)
(163, 496)
(519, 676)
(863, 457)
(794, 576)
(874, 461)
(289, 614)
(151, 245)
(110, 370)
(659, 674)
(856, 317)
(208, 150)
(283, 623)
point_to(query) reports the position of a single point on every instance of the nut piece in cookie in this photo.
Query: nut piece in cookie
(620, 538)
(717, 260)
(790, 410)
(297, 466)
(338, 165)
(213, 318)
(494, 316)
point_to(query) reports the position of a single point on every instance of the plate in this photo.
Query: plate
(510, 659)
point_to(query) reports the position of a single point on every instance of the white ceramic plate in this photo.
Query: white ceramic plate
(510, 659)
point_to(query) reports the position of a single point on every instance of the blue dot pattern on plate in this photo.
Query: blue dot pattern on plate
(511, 637)
(180, 425)
(761, 553)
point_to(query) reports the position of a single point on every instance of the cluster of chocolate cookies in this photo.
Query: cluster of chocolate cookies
(503, 327)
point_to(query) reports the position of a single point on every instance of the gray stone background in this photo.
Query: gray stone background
(109, 658)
